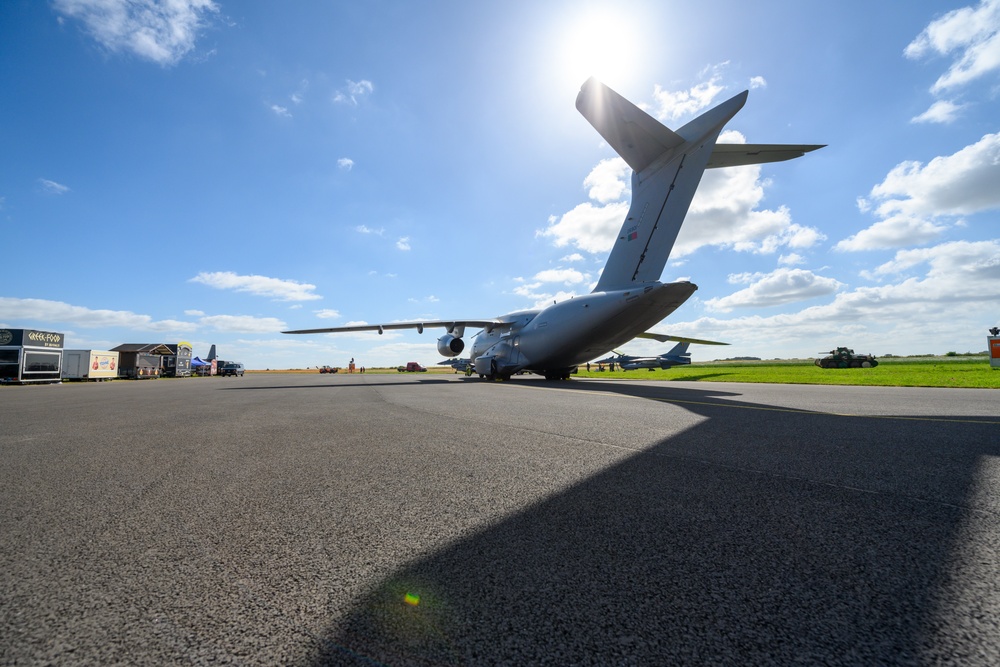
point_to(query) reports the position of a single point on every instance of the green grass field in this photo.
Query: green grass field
(910, 372)
(891, 372)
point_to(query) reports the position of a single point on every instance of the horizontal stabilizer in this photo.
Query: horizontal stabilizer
(734, 155)
(635, 135)
(678, 339)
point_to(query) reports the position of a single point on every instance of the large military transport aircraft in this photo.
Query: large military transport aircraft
(628, 299)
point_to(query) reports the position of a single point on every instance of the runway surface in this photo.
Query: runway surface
(428, 519)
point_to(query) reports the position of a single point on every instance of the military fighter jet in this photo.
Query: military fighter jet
(629, 298)
(677, 356)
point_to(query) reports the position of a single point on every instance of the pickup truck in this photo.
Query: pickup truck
(412, 367)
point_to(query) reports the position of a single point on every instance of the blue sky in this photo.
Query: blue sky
(217, 172)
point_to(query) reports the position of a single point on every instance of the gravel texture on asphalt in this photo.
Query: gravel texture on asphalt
(427, 520)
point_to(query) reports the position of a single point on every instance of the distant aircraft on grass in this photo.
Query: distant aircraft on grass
(628, 299)
(677, 356)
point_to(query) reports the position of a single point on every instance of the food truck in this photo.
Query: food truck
(97, 365)
(27, 355)
(178, 363)
(139, 361)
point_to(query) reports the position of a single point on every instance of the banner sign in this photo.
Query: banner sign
(31, 338)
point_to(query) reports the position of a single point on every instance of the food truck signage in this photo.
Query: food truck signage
(31, 338)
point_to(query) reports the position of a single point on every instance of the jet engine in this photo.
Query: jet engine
(450, 346)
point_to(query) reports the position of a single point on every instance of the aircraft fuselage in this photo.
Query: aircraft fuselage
(558, 338)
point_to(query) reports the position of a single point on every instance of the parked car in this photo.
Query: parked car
(231, 368)
(328, 369)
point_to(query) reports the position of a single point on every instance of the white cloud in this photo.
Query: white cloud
(52, 187)
(725, 213)
(779, 287)
(345, 163)
(280, 111)
(42, 310)
(971, 35)
(672, 105)
(163, 32)
(791, 259)
(243, 324)
(365, 229)
(941, 310)
(354, 92)
(941, 111)
(327, 313)
(403, 243)
(276, 288)
(574, 257)
(542, 299)
(757, 82)
(587, 227)
(566, 276)
(608, 181)
(915, 197)
(194, 313)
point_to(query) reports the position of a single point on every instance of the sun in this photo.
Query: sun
(599, 43)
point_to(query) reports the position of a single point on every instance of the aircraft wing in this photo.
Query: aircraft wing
(678, 339)
(450, 325)
(735, 155)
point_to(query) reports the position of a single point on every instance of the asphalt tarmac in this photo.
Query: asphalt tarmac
(432, 519)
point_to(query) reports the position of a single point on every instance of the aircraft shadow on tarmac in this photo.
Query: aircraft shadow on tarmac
(751, 538)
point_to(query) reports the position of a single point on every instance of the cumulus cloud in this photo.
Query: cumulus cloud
(941, 111)
(791, 259)
(280, 111)
(275, 288)
(671, 105)
(916, 201)
(608, 181)
(42, 310)
(779, 287)
(163, 32)
(933, 303)
(566, 276)
(327, 313)
(403, 243)
(345, 163)
(365, 229)
(971, 35)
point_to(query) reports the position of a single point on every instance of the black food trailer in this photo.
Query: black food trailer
(137, 361)
(178, 363)
(27, 355)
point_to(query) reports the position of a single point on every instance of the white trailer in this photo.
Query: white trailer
(89, 365)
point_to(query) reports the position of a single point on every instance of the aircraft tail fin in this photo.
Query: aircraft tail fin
(679, 350)
(667, 167)
(211, 354)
